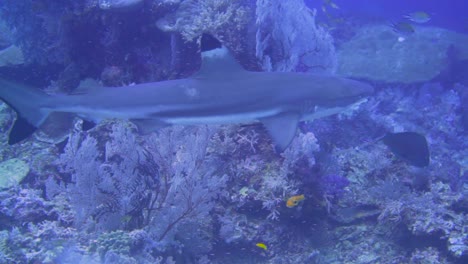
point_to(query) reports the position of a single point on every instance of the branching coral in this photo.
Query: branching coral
(124, 180)
(187, 177)
(42, 35)
(430, 213)
(427, 256)
(276, 183)
(195, 17)
(42, 242)
(25, 206)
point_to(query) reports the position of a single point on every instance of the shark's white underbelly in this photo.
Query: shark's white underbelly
(156, 113)
(232, 118)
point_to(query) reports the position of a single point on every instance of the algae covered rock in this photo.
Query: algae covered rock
(379, 54)
(12, 172)
(11, 56)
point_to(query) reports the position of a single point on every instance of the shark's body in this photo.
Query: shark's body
(220, 93)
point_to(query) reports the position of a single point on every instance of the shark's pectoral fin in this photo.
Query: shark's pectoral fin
(282, 128)
(146, 126)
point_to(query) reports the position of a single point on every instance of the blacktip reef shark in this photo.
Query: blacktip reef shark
(221, 92)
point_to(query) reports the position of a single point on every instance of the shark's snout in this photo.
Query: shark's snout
(362, 89)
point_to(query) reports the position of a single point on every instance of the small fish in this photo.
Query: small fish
(333, 5)
(348, 215)
(262, 246)
(294, 200)
(324, 9)
(126, 219)
(409, 146)
(418, 17)
(328, 3)
(244, 191)
(402, 28)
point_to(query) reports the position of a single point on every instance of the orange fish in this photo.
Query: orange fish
(294, 200)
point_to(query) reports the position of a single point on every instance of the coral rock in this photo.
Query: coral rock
(12, 172)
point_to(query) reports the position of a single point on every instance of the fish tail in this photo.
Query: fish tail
(30, 105)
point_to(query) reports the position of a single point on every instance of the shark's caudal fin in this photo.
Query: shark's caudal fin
(29, 104)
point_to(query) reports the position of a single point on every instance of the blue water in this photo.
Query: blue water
(452, 14)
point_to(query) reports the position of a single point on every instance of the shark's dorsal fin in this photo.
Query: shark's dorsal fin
(282, 128)
(218, 62)
(87, 86)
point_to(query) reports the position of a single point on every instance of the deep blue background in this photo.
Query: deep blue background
(452, 14)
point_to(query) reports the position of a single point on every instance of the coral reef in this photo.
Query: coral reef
(195, 17)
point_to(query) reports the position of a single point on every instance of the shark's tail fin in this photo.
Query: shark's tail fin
(30, 105)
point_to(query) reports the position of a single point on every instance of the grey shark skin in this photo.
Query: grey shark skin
(222, 92)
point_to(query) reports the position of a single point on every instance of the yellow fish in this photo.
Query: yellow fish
(294, 200)
(262, 246)
(328, 3)
(403, 28)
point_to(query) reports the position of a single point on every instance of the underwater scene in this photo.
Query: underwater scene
(233, 131)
